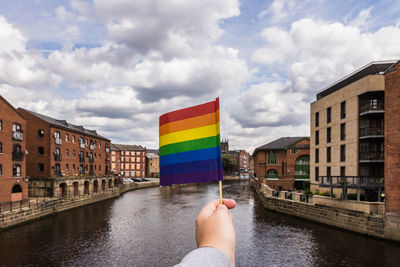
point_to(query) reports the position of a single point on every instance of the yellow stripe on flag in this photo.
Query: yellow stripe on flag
(191, 134)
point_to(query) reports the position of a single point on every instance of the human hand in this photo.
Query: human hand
(214, 227)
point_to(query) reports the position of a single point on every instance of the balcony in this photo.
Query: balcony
(81, 159)
(82, 146)
(17, 156)
(372, 157)
(57, 157)
(351, 182)
(91, 159)
(57, 141)
(372, 107)
(91, 147)
(18, 136)
(371, 132)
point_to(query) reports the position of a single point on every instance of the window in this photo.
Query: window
(73, 139)
(328, 154)
(100, 168)
(95, 155)
(1, 125)
(41, 133)
(41, 167)
(342, 153)
(342, 171)
(328, 134)
(1, 147)
(343, 110)
(99, 144)
(272, 173)
(328, 115)
(294, 151)
(316, 119)
(87, 142)
(57, 135)
(317, 137)
(316, 174)
(271, 157)
(73, 153)
(16, 170)
(1, 170)
(66, 153)
(316, 155)
(73, 167)
(67, 167)
(66, 137)
(80, 140)
(57, 152)
(328, 171)
(86, 167)
(16, 127)
(99, 155)
(95, 167)
(41, 150)
(343, 131)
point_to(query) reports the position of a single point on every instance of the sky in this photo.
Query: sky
(116, 66)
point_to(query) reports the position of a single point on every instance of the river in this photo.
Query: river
(155, 227)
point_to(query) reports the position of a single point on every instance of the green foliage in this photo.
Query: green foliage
(228, 163)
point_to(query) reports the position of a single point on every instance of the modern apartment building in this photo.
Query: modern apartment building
(13, 181)
(63, 156)
(128, 161)
(347, 132)
(283, 164)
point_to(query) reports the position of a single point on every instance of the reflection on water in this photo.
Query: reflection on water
(155, 227)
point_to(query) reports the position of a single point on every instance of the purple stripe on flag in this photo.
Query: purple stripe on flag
(191, 177)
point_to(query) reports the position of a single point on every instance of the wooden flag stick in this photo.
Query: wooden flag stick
(220, 192)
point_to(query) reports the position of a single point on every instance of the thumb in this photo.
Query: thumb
(222, 207)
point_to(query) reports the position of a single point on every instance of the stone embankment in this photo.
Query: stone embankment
(45, 207)
(362, 217)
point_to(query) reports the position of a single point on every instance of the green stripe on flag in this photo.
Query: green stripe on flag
(191, 145)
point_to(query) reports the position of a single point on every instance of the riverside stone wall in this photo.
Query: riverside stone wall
(52, 206)
(352, 220)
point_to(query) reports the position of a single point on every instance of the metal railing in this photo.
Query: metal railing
(371, 131)
(57, 157)
(82, 145)
(372, 156)
(17, 156)
(18, 136)
(377, 106)
(57, 141)
(10, 206)
(351, 182)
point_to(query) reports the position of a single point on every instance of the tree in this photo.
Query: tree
(228, 163)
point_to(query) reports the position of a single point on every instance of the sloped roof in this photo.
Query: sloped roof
(151, 155)
(65, 124)
(280, 144)
(123, 147)
(155, 151)
(11, 106)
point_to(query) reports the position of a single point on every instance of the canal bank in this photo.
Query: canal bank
(361, 217)
(36, 209)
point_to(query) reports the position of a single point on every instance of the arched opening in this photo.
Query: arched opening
(76, 189)
(95, 186)
(63, 190)
(86, 190)
(110, 183)
(16, 193)
(103, 185)
(272, 173)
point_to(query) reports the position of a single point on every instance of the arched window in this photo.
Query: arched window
(66, 137)
(66, 153)
(73, 153)
(16, 189)
(17, 127)
(272, 173)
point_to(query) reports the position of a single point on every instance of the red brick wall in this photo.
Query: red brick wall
(9, 116)
(291, 158)
(392, 139)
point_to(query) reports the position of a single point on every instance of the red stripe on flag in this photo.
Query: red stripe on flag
(190, 112)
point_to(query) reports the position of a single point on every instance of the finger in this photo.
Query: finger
(230, 216)
(229, 203)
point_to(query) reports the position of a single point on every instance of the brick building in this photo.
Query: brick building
(243, 163)
(152, 165)
(283, 164)
(392, 139)
(347, 133)
(64, 158)
(128, 161)
(13, 185)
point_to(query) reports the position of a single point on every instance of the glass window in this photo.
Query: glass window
(16, 170)
(316, 155)
(328, 134)
(73, 167)
(343, 110)
(67, 167)
(41, 150)
(317, 137)
(57, 135)
(342, 153)
(66, 137)
(343, 131)
(73, 153)
(316, 174)
(16, 127)
(73, 139)
(316, 119)
(1, 169)
(328, 154)
(1, 147)
(41, 133)
(271, 157)
(67, 153)
(41, 167)
(1, 125)
(328, 115)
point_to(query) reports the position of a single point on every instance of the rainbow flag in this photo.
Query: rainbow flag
(190, 147)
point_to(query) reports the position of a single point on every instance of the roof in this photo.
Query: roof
(151, 155)
(11, 106)
(65, 124)
(122, 147)
(155, 151)
(281, 143)
(375, 67)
